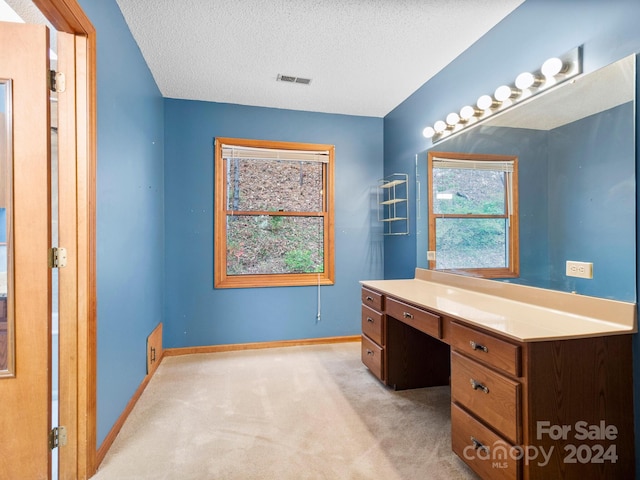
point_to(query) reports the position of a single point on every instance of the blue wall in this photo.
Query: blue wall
(130, 222)
(198, 314)
(591, 200)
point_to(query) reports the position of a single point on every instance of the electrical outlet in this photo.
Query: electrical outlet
(579, 269)
(431, 255)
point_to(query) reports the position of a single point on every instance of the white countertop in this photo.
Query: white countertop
(523, 313)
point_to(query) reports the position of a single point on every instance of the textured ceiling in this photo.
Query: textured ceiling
(364, 57)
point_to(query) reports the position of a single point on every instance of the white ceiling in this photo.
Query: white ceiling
(7, 14)
(364, 57)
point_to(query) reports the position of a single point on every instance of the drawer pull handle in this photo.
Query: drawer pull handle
(478, 386)
(407, 315)
(369, 352)
(369, 319)
(369, 299)
(478, 445)
(477, 346)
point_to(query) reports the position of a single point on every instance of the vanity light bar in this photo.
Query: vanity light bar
(553, 72)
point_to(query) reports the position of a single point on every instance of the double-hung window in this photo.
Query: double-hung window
(473, 214)
(273, 213)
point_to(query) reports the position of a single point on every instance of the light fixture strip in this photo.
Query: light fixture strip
(554, 71)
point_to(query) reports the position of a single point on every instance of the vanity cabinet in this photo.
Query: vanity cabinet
(392, 351)
(491, 397)
(486, 402)
(466, 430)
(373, 332)
(490, 349)
(559, 408)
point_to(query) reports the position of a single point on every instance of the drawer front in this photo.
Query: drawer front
(492, 397)
(373, 357)
(373, 299)
(494, 351)
(488, 454)
(372, 325)
(426, 322)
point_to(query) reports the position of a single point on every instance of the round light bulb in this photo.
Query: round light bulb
(527, 80)
(453, 118)
(505, 92)
(467, 112)
(440, 126)
(485, 102)
(552, 67)
(428, 132)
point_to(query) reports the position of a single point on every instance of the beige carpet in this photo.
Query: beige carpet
(312, 412)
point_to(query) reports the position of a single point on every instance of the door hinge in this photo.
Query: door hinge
(57, 437)
(57, 257)
(57, 81)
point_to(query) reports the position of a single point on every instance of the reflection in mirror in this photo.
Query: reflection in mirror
(7, 354)
(473, 214)
(576, 150)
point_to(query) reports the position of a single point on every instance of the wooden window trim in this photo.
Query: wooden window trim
(221, 279)
(513, 270)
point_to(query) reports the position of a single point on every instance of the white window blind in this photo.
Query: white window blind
(255, 153)
(492, 165)
(487, 165)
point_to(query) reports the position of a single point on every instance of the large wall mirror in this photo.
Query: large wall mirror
(575, 146)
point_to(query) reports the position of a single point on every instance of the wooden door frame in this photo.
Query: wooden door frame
(77, 214)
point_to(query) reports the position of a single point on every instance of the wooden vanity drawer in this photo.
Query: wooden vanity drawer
(373, 357)
(487, 348)
(488, 454)
(490, 396)
(372, 325)
(426, 322)
(373, 299)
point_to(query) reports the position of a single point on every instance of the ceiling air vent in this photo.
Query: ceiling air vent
(290, 79)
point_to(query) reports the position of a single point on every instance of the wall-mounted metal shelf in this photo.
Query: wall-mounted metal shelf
(393, 211)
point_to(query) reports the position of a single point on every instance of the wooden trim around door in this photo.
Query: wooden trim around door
(67, 276)
(78, 343)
